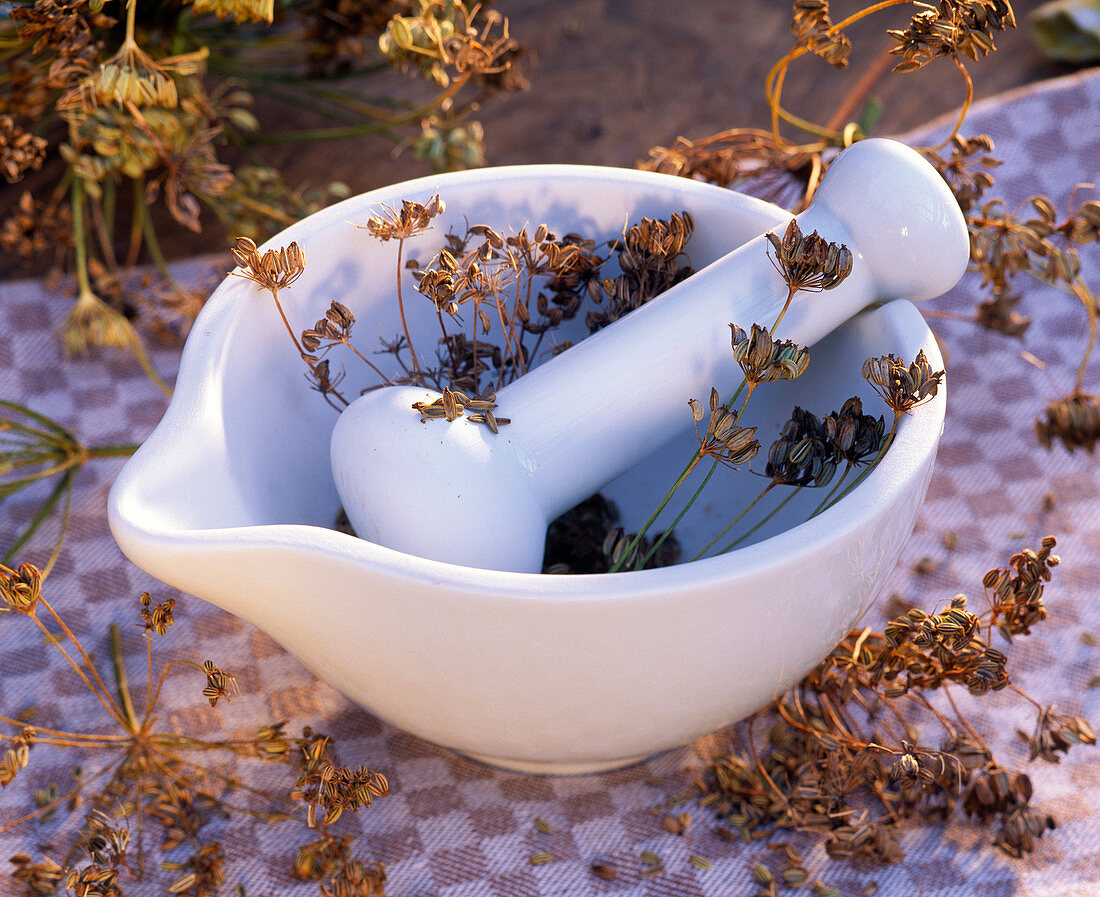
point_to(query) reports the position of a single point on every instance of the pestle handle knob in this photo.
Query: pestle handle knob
(899, 213)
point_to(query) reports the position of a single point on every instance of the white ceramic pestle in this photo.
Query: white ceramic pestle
(455, 492)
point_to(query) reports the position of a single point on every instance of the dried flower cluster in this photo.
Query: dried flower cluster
(1032, 239)
(951, 28)
(20, 151)
(724, 440)
(1015, 592)
(158, 778)
(20, 589)
(1074, 419)
(141, 120)
(809, 262)
(323, 783)
(132, 112)
(813, 28)
(967, 170)
(329, 859)
(810, 449)
(527, 284)
(444, 42)
(763, 359)
(807, 445)
(1005, 243)
(954, 29)
(740, 157)
(33, 228)
(502, 277)
(275, 270)
(835, 765)
(410, 221)
(902, 387)
(651, 257)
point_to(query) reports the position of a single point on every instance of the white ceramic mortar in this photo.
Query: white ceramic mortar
(232, 499)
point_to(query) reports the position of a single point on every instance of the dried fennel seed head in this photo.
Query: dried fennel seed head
(902, 387)
(809, 262)
(21, 588)
(275, 270)
(763, 359)
(412, 219)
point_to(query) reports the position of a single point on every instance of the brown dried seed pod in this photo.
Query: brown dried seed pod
(340, 315)
(451, 409)
(795, 876)
(762, 874)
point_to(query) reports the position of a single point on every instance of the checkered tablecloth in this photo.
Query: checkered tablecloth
(451, 826)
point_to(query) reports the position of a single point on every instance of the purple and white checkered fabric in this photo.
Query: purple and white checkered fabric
(452, 827)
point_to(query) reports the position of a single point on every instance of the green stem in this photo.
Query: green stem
(227, 64)
(668, 496)
(105, 222)
(672, 526)
(345, 108)
(264, 209)
(652, 517)
(779, 507)
(133, 250)
(745, 401)
(41, 418)
(151, 242)
(121, 681)
(368, 128)
(691, 466)
(81, 250)
(63, 527)
(320, 134)
(69, 460)
(825, 501)
(783, 311)
(1082, 292)
(147, 366)
(44, 511)
(82, 263)
(405, 326)
(732, 523)
(122, 450)
(355, 104)
(292, 99)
